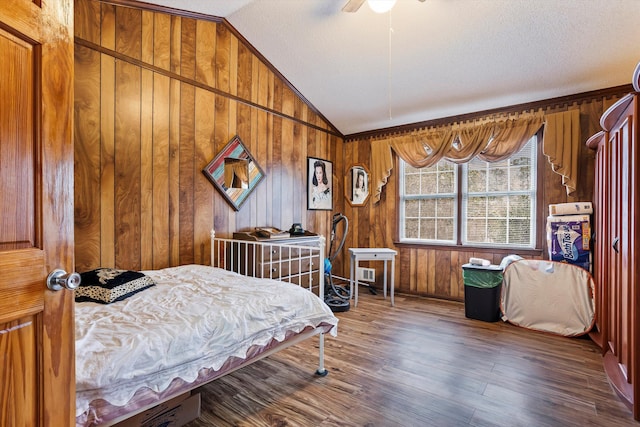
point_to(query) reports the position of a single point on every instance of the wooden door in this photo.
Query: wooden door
(37, 361)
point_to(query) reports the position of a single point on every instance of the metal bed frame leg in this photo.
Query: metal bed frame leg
(321, 372)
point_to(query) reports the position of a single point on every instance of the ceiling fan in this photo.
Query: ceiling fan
(379, 6)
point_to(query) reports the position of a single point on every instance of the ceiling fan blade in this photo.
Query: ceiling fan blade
(352, 5)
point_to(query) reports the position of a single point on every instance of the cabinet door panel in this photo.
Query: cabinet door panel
(601, 261)
(624, 245)
(613, 335)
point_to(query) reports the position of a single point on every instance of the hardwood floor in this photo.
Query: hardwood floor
(421, 363)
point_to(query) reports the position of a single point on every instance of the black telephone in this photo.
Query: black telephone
(296, 229)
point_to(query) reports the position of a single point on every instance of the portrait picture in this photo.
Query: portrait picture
(360, 186)
(319, 184)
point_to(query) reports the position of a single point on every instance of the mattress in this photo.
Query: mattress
(196, 318)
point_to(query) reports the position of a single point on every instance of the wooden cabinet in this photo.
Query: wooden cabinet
(292, 259)
(616, 248)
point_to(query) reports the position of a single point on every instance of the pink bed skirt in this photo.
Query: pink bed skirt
(101, 411)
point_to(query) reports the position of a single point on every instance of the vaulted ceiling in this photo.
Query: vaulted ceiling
(428, 60)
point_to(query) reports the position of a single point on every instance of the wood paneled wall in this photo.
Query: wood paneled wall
(437, 272)
(156, 97)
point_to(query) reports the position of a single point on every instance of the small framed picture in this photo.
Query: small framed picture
(319, 184)
(357, 185)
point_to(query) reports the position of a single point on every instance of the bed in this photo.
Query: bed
(193, 324)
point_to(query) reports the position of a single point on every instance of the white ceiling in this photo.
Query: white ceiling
(441, 58)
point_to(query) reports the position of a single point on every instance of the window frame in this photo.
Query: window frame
(539, 221)
(456, 213)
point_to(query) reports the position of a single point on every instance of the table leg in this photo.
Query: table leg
(351, 278)
(355, 282)
(393, 269)
(384, 281)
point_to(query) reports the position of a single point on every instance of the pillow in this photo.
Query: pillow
(107, 285)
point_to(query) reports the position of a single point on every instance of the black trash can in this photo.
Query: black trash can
(482, 286)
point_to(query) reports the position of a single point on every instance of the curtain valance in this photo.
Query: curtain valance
(489, 141)
(561, 145)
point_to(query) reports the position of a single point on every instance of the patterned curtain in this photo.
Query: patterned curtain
(489, 141)
(561, 145)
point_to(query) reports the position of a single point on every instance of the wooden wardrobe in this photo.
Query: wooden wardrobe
(617, 247)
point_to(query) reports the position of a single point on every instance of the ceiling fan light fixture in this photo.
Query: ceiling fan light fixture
(381, 6)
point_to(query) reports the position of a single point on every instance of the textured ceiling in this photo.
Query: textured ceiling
(428, 60)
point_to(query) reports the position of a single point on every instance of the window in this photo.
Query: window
(473, 204)
(428, 202)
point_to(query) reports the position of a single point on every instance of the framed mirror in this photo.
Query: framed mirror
(234, 172)
(357, 185)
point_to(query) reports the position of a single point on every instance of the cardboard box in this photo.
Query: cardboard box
(175, 412)
(568, 239)
(571, 208)
(185, 412)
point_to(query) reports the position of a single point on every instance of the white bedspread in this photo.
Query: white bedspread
(197, 316)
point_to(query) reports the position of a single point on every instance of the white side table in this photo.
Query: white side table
(371, 254)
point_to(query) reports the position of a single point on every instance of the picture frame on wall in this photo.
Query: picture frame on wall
(319, 184)
(234, 172)
(357, 185)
